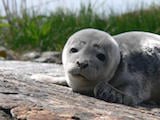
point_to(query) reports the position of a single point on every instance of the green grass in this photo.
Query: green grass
(39, 32)
(141, 20)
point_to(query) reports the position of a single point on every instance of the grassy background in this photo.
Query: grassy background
(38, 32)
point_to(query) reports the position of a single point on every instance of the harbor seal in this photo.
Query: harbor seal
(122, 69)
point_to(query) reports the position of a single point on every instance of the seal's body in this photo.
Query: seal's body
(124, 68)
(138, 74)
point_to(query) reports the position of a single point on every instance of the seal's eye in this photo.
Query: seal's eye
(101, 57)
(73, 50)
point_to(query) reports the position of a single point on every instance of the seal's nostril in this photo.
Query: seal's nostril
(82, 65)
(78, 63)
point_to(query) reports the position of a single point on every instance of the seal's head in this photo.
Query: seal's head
(89, 56)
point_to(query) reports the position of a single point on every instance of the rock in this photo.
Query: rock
(44, 57)
(22, 98)
(33, 113)
(30, 56)
(4, 116)
(11, 55)
(50, 57)
(6, 54)
(3, 52)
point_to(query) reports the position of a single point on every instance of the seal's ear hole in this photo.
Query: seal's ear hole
(73, 50)
(101, 57)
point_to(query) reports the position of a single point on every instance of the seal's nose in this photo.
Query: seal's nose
(82, 65)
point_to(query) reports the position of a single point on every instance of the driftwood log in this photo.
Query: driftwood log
(22, 98)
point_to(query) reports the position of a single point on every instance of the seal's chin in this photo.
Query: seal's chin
(80, 84)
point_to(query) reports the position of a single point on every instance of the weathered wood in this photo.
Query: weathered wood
(25, 99)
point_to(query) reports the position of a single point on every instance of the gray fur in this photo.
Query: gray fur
(127, 71)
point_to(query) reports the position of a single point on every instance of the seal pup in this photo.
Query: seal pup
(123, 69)
(86, 59)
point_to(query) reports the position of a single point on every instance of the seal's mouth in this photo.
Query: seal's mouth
(76, 72)
(80, 75)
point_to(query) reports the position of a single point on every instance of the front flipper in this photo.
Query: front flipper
(106, 92)
(50, 79)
